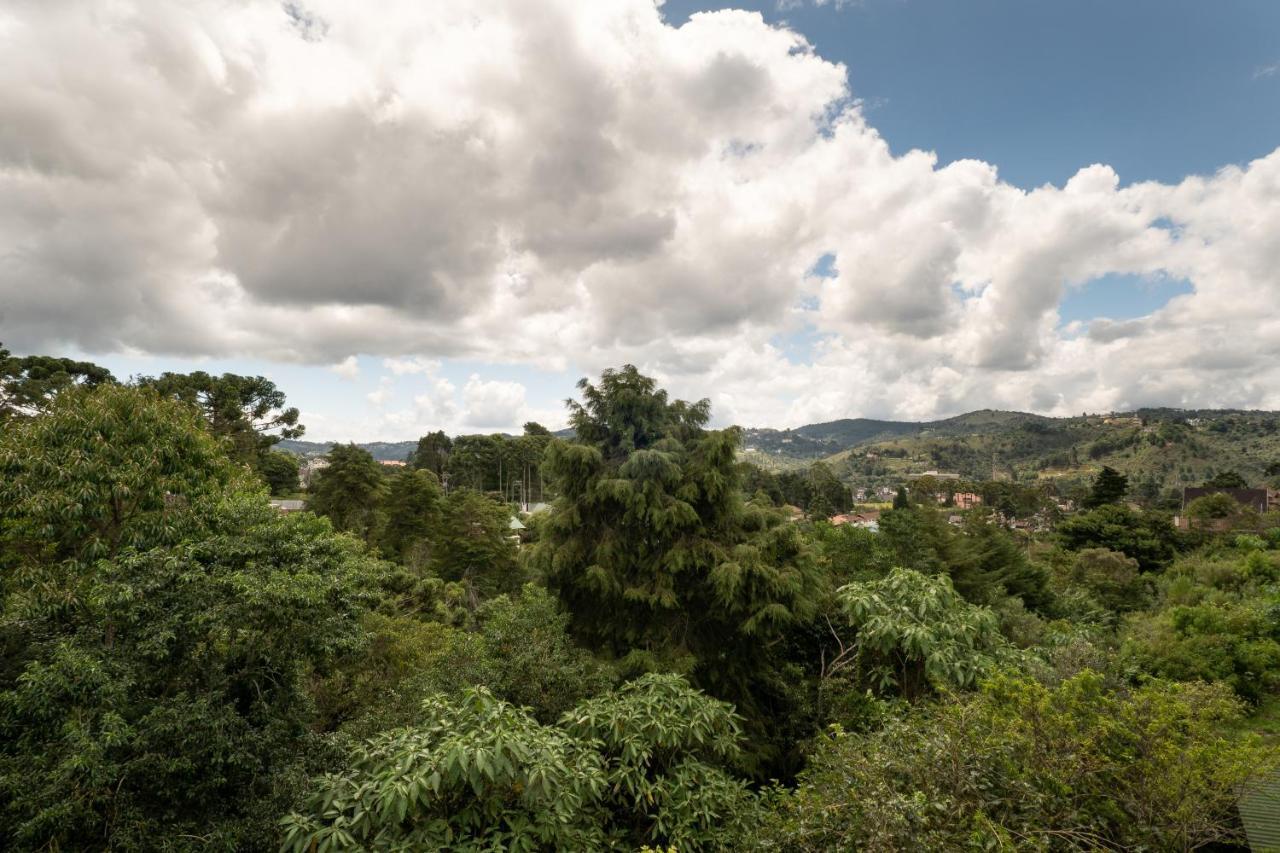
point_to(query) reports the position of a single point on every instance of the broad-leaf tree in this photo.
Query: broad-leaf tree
(157, 620)
(915, 633)
(1021, 766)
(473, 774)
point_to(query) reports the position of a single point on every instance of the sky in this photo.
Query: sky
(441, 215)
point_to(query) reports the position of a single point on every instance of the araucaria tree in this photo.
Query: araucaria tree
(652, 548)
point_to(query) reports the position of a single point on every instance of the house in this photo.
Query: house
(869, 520)
(392, 463)
(966, 500)
(288, 506)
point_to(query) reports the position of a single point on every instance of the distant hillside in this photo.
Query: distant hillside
(820, 440)
(1160, 449)
(383, 451)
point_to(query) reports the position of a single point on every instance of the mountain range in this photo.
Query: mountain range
(1158, 448)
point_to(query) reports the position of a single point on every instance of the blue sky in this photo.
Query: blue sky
(347, 261)
(1158, 89)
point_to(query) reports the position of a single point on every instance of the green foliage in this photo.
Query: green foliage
(474, 545)
(432, 454)
(529, 659)
(515, 646)
(1027, 767)
(914, 632)
(1109, 487)
(410, 515)
(168, 702)
(1147, 537)
(30, 384)
(665, 747)
(1110, 577)
(986, 564)
(103, 470)
(250, 411)
(279, 471)
(1233, 642)
(475, 774)
(1213, 506)
(348, 492)
(643, 764)
(653, 550)
(1227, 480)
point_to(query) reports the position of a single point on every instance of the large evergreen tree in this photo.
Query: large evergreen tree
(349, 490)
(29, 384)
(1109, 487)
(654, 551)
(250, 411)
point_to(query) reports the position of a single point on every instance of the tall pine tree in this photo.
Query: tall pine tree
(657, 556)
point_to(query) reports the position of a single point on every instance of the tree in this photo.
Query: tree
(411, 516)
(1024, 766)
(654, 552)
(103, 470)
(280, 472)
(1111, 578)
(30, 384)
(432, 454)
(1230, 642)
(474, 546)
(349, 490)
(642, 764)
(986, 565)
(666, 748)
(913, 633)
(900, 499)
(157, 619)
(470, 775)
(1147, 537)
(248, 410)
(1109, 487)
(1227, 480)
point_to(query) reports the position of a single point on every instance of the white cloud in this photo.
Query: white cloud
(380, 395)
(303, 185)
(348, 368)
(413, 364)
(492, 403)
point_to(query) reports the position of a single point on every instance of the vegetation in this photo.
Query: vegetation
(666, 658)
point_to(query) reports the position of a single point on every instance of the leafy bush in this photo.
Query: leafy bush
(1232, 642)
(1023, 766)
(476, 774)
(665, 747)
(643, 764)
(1146, 537)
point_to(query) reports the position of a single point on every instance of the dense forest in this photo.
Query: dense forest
(661, 657)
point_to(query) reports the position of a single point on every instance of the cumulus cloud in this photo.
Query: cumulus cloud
(492, 403)
(348, 368)
(568, 184)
